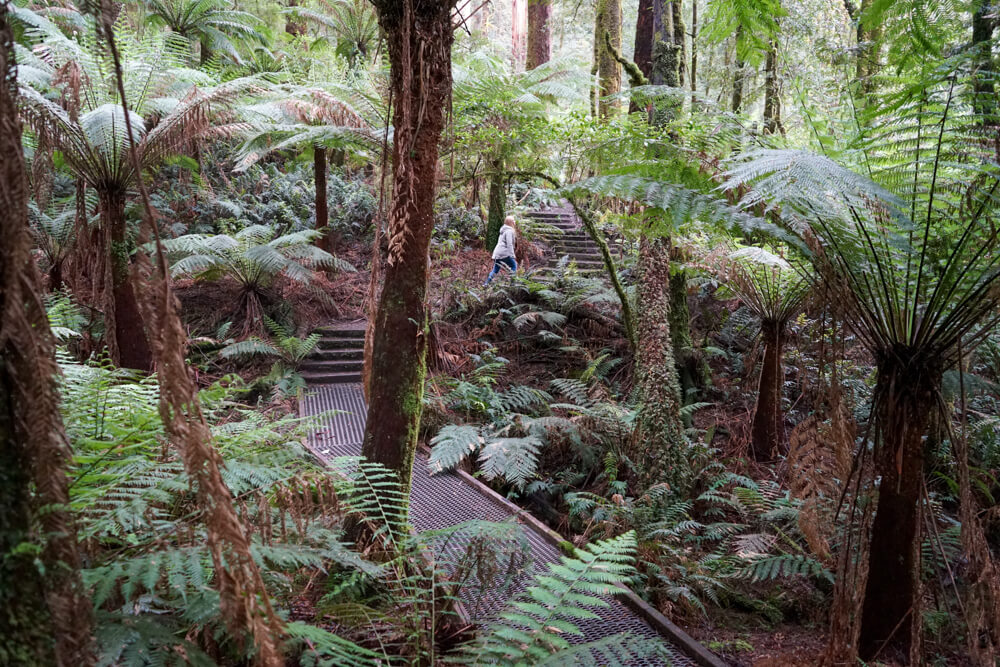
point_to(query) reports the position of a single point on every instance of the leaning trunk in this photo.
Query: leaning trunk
(322, 212)
(539, 33)
(905, 392)
(46, 618)
(126, 335)
(658, 447)
(767, 434)
(497, 206)
(418, 39)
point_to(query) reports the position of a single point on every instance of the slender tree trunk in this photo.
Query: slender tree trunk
(608, 20)
(658, 448)
(322, 210)
(497, 205)
(739, 77)
(687, 359)
(539, 33)
(677, 10)
(694, 45)
(46, 618)
(869, 52)
(418, 39)
(126, 332)
(519, 29)
(772, 92)
(767, 434)
(905, 390)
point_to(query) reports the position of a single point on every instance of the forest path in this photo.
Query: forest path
(448, 499)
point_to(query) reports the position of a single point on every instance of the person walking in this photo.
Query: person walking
(503, 254)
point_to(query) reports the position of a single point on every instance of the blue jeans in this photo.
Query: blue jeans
(498, 264)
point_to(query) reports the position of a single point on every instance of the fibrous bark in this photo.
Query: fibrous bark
(739, 76)
(767, 433)
(905, 391)
(539, 33)
(694, 46)
(658, 448)
(418, 41)
(46, 618)
(677, 15)
(125, 331)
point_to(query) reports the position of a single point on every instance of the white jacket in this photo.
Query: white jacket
(505, 244)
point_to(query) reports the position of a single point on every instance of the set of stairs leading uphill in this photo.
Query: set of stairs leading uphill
(570, 240)
(339, 356)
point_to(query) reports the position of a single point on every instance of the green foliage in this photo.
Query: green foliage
(288, 350)
(534, 627)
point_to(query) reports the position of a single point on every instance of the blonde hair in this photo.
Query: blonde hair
(509, 220)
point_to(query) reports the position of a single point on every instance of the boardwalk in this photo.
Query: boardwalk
(451, 498)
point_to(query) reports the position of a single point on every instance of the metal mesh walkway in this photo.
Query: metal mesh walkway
(448, 499)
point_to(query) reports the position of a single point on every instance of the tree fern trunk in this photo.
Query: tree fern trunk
(767, 433)
(418, 42)
(497, 205)
(125, 330)
(905, 393)
(658, 448)
(45, 619)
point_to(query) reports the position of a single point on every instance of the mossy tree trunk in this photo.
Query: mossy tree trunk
(497, 209)
(677, 16)
(539, 33)
(125, 329)
(689, 366)
(906, 390)
(608, 20)
(767, 432)
(418, 41)
(45, 618)
(658, 447)
(772, 92)
(739, 75)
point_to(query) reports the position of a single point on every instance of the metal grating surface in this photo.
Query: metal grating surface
(445, 500)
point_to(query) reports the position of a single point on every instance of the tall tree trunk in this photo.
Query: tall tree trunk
(905, 393)
(643, 54)
(739, 76)
(772, 92)
(539, 33)
(658, 448)
(125, 330)
(767, 433)
(46, 618)
(322, 210)
(687, 360)
(694, 45)
(676, 8)
(869, 52)
(418, 38)
(608, 20)
(518, 33)
(665, 70)
(497, 204)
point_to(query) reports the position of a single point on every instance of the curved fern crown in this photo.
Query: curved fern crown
(213, 23)
(911, 245)
(170, 104)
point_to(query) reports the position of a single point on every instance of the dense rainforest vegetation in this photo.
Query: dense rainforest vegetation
(748, 365)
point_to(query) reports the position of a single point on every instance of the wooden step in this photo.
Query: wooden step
(331, 378)
(344, 354)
